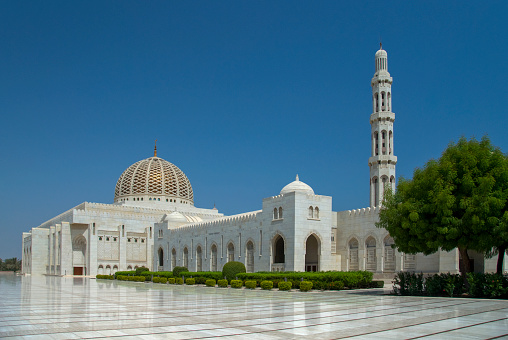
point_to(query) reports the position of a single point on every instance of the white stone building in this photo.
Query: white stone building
(153, 223)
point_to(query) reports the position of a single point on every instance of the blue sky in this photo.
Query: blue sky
(241, 95)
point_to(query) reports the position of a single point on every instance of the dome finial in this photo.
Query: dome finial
(380, 45)
(155, 149)
(297, 177)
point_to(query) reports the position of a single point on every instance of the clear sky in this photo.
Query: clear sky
(241, 95)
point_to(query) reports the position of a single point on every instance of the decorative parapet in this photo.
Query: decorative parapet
(356, 213)
(223, 221)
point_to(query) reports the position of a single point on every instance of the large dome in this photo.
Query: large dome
(154, 178)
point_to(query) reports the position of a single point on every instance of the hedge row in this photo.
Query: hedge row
(320, 280)
(105, 277)
(479, 285)
(130, 278)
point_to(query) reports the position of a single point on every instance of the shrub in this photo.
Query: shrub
(250, 284)
(222, 283)
(140, 270)
(236, 283)
(266, 285)
(377, 284)
(178, 270)
(285, 285)
(171, 280)
(211, 282)
(232, 269)
(178, 280)
(406, 283)
(139, 278)
(487, 285)
(190, 281)
(156, 280)
(305, 286)
(163, 280)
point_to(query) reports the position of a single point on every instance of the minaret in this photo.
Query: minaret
(382, 161)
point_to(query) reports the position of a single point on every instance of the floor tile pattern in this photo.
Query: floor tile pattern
(40, 307)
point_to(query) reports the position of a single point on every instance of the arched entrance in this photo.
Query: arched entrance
(250, 257)
(161, 258)
(312, 254)
(79, 255)
(213, 258)
(371, 260)
(389, 256)
(199, 259)
(279, 256)
(231, 252)
(173, 259)
(186, 257)
(353, 254)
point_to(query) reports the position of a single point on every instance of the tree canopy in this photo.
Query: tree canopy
(457, 201)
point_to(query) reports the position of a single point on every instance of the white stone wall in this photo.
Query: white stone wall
(88, 222)
(258, 227)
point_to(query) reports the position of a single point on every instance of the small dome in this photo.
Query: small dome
(176, 216)
(154, 176)
(381, 54)
(297, 186)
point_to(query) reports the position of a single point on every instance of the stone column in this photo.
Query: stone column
(92, 249)
(66, 268)
(122, 252)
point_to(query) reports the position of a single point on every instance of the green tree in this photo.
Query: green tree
(11, 264)
(458, 201)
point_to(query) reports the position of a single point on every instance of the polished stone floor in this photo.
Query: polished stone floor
(39, 307)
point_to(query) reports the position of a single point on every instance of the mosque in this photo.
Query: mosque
(153, 223)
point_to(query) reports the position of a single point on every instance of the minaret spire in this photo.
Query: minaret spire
(155, 149)
(382, 161)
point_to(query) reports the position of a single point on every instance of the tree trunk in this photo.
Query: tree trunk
(500, 259)
(466, 264)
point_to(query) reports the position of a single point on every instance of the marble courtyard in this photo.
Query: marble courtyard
(51, 307)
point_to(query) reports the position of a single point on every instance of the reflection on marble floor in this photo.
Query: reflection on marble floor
(40, 307)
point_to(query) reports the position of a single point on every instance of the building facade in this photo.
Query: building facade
(153, 223)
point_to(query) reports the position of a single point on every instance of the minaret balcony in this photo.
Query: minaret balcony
(388, 159)
(383, 115)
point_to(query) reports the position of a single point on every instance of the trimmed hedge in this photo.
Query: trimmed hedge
(250, 284)
(320, 280)
(105, 277)
(131, 278)
(285, 285)
(305, 286)
(125, 273)
(178, 280)
(201, 277)
(178, 270)
(266, 285)
(222, 283)
(171, 280)
(232, 269)
(190, 281)
(211, 282)
(336, 285)
(236, 283)
(377, 284)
